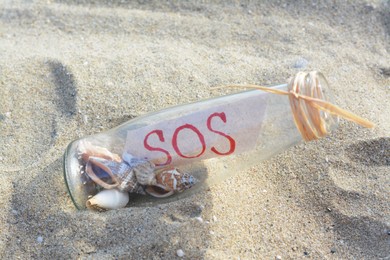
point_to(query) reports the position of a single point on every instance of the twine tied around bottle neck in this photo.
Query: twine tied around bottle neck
(308, 105)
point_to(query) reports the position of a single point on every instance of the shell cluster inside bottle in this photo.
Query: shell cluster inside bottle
(115, 177)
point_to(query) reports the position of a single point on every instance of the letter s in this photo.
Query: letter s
(231, 140)
(160, 135)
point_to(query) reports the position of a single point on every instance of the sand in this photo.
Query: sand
(73, 68)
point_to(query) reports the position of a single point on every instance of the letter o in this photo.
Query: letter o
(195, 130)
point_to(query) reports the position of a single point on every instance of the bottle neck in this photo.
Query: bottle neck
(278, 132)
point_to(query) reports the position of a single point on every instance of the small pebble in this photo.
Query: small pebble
(180, 253)
(278, 257)
(301, 63)
(39, 239)
(212, 232)
(385, 71)
(214, 218)
(8, 114)
(333, 250)
(200, 219)
(305, 253)
(85, 119)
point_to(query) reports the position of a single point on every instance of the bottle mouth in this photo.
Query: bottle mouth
(312, 121)
(313, 114)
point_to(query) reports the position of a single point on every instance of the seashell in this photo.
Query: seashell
(122, 175)
(168, 182)
(86, 150)
(108, 199)
(145, 173)
(143, 169)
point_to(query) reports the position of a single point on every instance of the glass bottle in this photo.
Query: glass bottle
(172, 153)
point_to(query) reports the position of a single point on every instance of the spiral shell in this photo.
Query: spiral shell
(170, 181)
(123, 175)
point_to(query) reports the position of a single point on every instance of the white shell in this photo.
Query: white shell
(108, 199)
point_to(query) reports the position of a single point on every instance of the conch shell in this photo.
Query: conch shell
(108, 199)
(123, 175)
(168, 182)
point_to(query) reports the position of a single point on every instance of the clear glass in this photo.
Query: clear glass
(209, 140)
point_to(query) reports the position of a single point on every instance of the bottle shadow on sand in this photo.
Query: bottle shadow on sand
(43, 222)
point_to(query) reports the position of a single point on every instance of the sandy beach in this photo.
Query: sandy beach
(72, 68)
